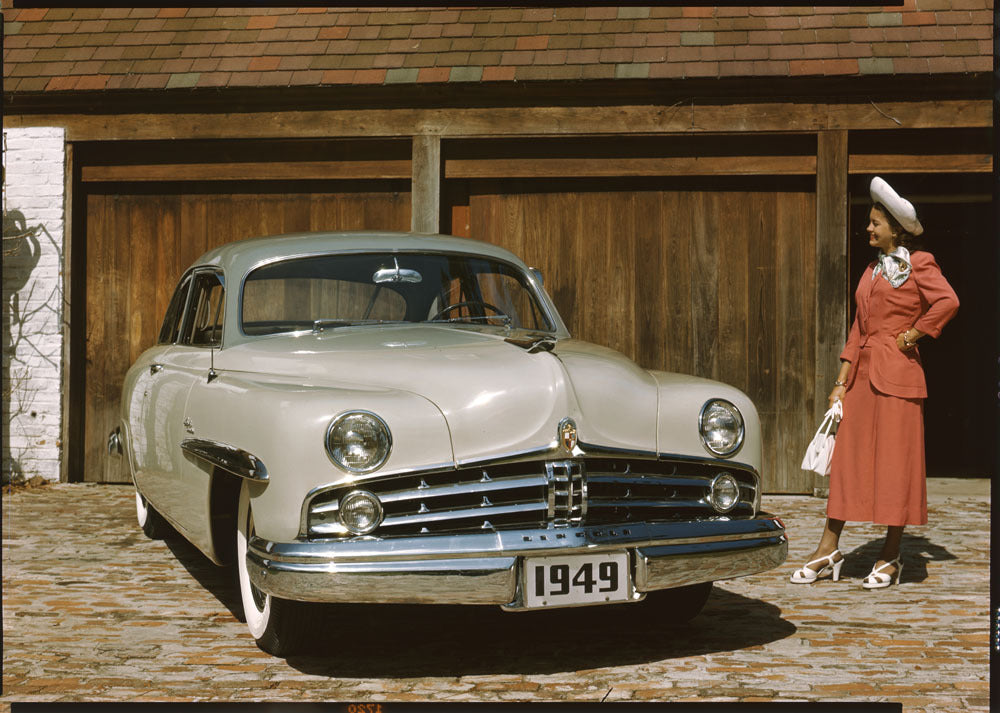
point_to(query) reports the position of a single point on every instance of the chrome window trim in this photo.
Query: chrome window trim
(739, 440)
(229, 458)
(533, 286)
(189, 273)
(194, 273)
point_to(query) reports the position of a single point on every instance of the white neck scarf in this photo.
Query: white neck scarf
(894, 267)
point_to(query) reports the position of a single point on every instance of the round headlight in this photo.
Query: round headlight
(721, 427)
(360, 511)
(724, 493)
(358, 441)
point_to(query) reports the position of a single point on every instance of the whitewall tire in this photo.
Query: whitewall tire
(278, 625)
(151, 522)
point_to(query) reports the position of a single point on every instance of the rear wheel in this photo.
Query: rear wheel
(681, 604)
(151, 522)
(278, 625)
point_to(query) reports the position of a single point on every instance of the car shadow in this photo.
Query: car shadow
(404, 640)
(917, 551)
(435, 640)
(220, 581)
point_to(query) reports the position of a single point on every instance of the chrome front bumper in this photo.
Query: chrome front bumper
(483, 568)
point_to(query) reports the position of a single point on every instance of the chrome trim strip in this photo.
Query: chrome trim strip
(438, 491)
(466, 513)
(552, 449)
(228, 458)
(598, 502)
(518, 542)
(591, 449)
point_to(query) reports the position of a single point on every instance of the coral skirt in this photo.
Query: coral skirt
(878, 473)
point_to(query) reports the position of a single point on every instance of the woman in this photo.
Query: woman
(877, 472)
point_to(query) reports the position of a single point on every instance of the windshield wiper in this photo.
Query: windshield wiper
(472, 318)
(320, 325)
(534, 344)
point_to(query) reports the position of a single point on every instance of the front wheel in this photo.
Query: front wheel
(278, 625)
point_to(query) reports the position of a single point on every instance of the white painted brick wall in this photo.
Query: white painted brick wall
(33, 228)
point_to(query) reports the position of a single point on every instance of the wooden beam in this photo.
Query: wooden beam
(66, 384)
(831, 300)
(261, 171)
(521, 121)
(597, 167)
(425, 194)
(925, 163)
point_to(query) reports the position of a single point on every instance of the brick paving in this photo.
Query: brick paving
(93, 611)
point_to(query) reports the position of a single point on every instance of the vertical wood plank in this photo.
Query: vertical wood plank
(67, 353)
(426, 184)
(732, 289)
(93, 373)
(704, 284)
(831, 293)
(676, 225)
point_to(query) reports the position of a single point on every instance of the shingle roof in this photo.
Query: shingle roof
(56, 49)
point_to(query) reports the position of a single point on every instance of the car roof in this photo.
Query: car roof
(239, 257)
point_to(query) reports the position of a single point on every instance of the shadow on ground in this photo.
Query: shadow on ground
(399, 640)
(409, 641)
(917, 551)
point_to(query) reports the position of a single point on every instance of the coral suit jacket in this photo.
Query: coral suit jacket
(925, 301)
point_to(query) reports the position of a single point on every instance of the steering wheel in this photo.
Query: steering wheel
(456, 305)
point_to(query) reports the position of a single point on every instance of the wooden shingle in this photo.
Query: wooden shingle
(59, 49)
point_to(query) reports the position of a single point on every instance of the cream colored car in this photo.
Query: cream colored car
(386, 417)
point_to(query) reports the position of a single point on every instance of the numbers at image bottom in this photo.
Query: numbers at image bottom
(563, 580)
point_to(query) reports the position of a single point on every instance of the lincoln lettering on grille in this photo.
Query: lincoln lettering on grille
(591, 491)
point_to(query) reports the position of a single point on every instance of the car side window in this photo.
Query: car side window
(171, 328)
(203, 325)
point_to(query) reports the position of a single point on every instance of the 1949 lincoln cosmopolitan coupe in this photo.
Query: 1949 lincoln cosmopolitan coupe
(387, 417)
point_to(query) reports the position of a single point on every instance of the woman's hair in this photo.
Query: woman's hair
(903, 237)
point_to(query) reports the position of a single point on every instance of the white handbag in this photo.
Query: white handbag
(820, 450)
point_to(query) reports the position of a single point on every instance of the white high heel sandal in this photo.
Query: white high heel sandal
(805, 575)
(877, 579)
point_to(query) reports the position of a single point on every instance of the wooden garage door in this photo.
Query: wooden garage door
(139, 245)
(716, 283)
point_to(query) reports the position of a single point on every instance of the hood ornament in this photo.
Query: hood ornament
(567, 434)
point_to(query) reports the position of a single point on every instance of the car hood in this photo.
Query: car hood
(498, 398)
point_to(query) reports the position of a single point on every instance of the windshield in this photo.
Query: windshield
(330, 291)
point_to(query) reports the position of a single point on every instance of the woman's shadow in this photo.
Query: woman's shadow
(916, 551)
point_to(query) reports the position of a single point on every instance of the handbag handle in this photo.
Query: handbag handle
(832, 416)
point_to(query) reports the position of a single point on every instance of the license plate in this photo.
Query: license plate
(564, 580)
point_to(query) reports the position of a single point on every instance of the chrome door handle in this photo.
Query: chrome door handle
(155, 368)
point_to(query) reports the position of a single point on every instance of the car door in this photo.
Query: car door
(180, 486)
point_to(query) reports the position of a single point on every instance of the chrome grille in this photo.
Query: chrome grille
(592, 491)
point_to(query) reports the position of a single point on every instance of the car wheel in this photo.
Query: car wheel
(151, 522)
(278, 625)
(681, 604)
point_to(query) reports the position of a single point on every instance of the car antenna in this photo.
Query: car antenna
(212, 373)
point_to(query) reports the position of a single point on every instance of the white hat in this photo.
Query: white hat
(901, 209)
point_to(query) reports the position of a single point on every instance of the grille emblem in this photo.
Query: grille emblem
(567, 434)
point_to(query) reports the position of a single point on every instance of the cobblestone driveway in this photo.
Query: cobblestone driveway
(93, 611)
